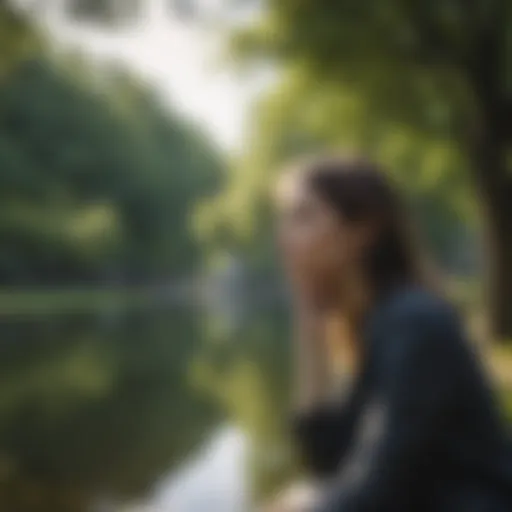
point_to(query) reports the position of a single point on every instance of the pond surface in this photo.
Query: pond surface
(155, 408)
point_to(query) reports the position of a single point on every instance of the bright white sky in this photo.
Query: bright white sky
(180, 59)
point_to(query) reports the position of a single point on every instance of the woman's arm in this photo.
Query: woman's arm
(320, 428)
(416, 366)
(311, 379)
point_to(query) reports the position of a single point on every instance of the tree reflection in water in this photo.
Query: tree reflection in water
(106, 404)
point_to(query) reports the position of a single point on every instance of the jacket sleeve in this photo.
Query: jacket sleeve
(415, 367)
(321, 436)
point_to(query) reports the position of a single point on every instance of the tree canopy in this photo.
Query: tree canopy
(97, 181)
(424, 87)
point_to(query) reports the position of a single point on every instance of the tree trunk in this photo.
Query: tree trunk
(490, 137)
(494, 185)
(488, 149)
(499, 264)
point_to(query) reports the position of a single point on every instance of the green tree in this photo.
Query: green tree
(96, 179)
(438, 70)
(300, 116)
(18, 39)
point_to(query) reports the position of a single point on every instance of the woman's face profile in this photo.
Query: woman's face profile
(317, 246)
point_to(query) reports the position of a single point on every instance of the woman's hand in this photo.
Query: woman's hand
(311, 365)
(299, 498)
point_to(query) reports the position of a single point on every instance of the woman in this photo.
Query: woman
(417, 428)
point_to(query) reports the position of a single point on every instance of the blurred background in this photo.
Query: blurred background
(144, 346)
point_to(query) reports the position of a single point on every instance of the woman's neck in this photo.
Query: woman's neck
(344, 324)
(355, 299)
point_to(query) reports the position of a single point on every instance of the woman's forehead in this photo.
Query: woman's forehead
(291, 188)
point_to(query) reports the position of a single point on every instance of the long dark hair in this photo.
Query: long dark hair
(360, 191)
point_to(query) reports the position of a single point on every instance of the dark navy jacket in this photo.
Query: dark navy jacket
(420, 431)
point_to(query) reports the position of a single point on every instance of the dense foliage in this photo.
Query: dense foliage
(98, 182)
(422, 86)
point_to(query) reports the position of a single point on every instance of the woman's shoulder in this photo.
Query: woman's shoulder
(417, 330)
(416, 304)
(417, 315)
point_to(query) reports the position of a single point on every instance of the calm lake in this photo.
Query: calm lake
(159, 408)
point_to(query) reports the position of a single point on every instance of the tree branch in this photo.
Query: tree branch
(433, 43)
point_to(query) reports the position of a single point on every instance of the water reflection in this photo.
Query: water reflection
(215, 480)
(128, 405)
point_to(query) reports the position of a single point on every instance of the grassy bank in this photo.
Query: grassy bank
(58, 301)
(501, 363)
